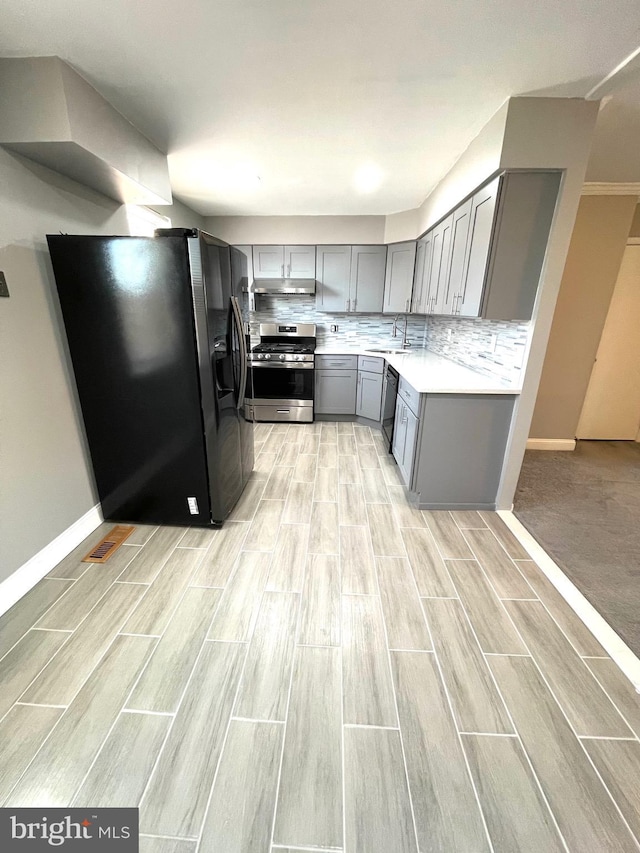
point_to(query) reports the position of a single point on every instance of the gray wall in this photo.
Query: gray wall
(593, 262)
(45, 475)
(279, 230)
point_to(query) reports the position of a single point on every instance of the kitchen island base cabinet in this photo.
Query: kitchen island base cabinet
(460, 449)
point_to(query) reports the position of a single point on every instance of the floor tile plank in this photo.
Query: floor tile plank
(264, 463)
(429, 568)
(587, 818)
(244, 791)
(450, 541)
(148, 562)
(59, 767)
(349, 470)
(15, 623)
(305, 468)
(569, 621)
(165, 677)
(403, 615)
(320, 616)
(516, 813)
(367, 456)
(61, 679)
(309, 810)
(263, 532)
(238, 608)
(161, 598)
(297, 508)
(326, 485)
(278, 484)
(476, 702)
(288, 455)
(327, 454)
(351, 509)
(175, 801)
(309, 443)
(264, 689)
(71, 608)
(446, 810)
(362, 435)
(406, 515)
(22, 732)
(134, 743)
(246, 507)
(141, 534)
(367, 687)
(22, 664)
(377, 805)
(468, 519)
(374, 486)
(579, 694)
(197, 537)
(71, 566)
(618, 762)
(217, 564)
(490, 621)
(287, 565)
(509, 542)
(346, 445)
(328, 432)
(357, 565)
(323, 536)
(619, 689)
(150, 844)
(385, 536)
(499, 567)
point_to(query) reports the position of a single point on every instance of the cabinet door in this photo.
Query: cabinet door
(459, 235)
(427, 269)
(268, 261)
(369, 396)
(398, 283)
(418, 277)
(411, 435)
(366, 289)
(335, 392)
(333, 265)
(399, 433)
(300, 261)
(483, 206)
(440, 267)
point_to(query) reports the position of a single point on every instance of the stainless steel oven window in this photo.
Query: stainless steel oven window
(280, 382)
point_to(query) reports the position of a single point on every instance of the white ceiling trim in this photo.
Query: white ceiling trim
(604, 188)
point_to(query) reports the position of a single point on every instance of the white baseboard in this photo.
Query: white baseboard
(601, 630)
(28, 575)
(551, 444)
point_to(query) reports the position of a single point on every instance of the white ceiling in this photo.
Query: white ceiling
(304, 93)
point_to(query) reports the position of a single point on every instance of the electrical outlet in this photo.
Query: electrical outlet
(449, 333)
(334, 328)
(4, 287)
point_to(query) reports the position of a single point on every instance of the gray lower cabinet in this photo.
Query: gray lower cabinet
(369, 395)
(460, 449)
(405, 430)
(335, 392)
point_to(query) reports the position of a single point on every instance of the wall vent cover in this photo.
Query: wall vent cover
(109, 544)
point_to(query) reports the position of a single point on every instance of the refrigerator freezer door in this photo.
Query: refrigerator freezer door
(128, 315)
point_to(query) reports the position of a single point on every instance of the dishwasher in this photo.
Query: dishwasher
(389, 394)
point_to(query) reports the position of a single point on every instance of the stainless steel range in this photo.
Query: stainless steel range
(282, 373)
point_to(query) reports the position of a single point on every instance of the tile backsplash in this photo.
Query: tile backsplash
(464, 340)
(353, 329)
(492, 347)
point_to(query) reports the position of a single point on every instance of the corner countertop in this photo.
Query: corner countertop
(429, 373)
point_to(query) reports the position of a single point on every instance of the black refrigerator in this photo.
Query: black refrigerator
(159, 352)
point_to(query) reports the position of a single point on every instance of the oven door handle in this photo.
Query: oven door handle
(283, 365)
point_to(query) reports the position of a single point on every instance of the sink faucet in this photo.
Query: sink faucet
(405, 341)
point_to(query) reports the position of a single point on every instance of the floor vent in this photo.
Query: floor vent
(109, 544)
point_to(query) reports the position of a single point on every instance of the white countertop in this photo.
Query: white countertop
(429, 373)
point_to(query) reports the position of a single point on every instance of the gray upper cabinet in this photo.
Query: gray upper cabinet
(333, 267)
(440, 265)
(525, 210)
(480, 229)
(366, 291)
(458, 257)
(268, 261)
(247, 251)
(300, 261)
(398, 283)
(422, 275)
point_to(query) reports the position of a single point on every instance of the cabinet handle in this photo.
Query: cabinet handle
(406, 307)
(282, 270)
(288, 270)
(348, 303)
(355, 302)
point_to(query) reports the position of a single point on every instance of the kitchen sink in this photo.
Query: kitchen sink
(389, 351)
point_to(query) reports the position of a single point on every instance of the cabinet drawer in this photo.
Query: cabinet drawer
(409, 394)
(371, 363)
(337, 362)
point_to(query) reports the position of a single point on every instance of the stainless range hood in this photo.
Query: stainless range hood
(284, 285)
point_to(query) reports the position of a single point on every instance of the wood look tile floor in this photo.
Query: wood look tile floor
(333, 670)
